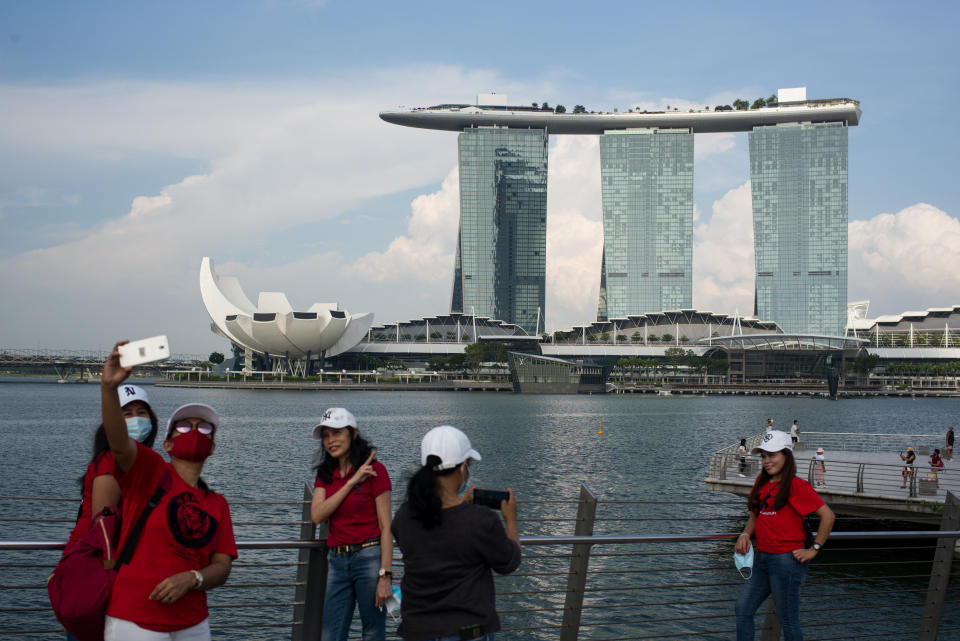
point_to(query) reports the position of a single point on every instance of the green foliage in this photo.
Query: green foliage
(740, 104)
(772, 100)
(758, 103)
(723, 108)
(216, 358)
(579, 109)
(636, 337)
(592, 338)
(667, 338)
(435, 335)
(653, 338)
(605, 336)
(545, 106)
(560, 109)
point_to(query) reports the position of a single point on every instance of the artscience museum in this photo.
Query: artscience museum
(271, 334)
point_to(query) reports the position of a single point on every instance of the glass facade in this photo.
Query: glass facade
(500, 266)
(647, 191)
(798, 174)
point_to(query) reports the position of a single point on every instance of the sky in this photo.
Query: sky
(137, 138)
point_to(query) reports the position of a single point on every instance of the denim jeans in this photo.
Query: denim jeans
(352, 582)
(781, 575)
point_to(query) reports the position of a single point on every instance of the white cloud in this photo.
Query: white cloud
(426, 253)
(723, 265)
(905, 261)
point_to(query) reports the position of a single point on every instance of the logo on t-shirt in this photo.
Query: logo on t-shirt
(190, 525)
(764, 503)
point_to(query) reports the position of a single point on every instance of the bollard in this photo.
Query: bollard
(940, 571)
(579, 562)
(311, 579)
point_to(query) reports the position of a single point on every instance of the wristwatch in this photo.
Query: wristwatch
(199, 578)
(817, 546)
(382, 573)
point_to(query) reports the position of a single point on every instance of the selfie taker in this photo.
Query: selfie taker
(450, 544)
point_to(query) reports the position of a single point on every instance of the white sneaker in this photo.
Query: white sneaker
(742, 476)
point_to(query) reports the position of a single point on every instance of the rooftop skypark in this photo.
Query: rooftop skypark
(488, 113)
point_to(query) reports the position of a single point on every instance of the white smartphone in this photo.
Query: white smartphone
(147, 350)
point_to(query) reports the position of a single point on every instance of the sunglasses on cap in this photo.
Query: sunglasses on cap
(186, 425)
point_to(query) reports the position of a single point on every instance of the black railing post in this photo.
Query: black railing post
(579, 562)
(940, 571)
(311, 579)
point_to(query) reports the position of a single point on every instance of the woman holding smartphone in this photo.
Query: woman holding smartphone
(352, 492)
(450, 546)
(186, 546)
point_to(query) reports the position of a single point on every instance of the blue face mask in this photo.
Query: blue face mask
(744, 563)
(139, 427)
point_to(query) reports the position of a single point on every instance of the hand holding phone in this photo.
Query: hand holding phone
(147, 350)
(490, 498)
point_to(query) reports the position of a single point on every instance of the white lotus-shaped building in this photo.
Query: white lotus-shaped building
(272, 327)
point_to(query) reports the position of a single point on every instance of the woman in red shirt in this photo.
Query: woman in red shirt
(352, 491)
(100, 488)
(778, 503)
(186, 546)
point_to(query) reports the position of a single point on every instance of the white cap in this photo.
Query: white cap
(819, 450)
(194, 410)
(131, 393)
(774, 441)
(449, 444)
(336, 418)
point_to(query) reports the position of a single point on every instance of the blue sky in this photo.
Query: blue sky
(138, 137)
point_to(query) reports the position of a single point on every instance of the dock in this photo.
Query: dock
(863, 477)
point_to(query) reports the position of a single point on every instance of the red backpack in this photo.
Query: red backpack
(79, 587)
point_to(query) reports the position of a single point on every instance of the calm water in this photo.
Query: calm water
(544, 447)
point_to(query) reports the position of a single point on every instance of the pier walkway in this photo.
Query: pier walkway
(863, 477)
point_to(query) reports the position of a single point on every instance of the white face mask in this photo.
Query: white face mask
(139, 427)
(744, 563)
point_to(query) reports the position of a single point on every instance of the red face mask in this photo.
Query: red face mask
(192, 446)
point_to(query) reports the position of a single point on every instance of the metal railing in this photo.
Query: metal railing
(632, 582)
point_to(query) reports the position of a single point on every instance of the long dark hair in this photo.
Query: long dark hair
(101, 445)
(422, 494)
(324, 464)
(787, 475)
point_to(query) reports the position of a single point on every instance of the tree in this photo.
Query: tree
(684, 339)
(723, 108)
(772, 100)
(215, 357)
(545, 107)
(560, 109)
(534, 104)
(605, 336)
(675, 356)
(636, 337)
(592, 338)
(421, 337)
(579, 109)
(205, 365)
(667, 338)
(740, 104)
(435, 335)
(758, 103)
(653, 338)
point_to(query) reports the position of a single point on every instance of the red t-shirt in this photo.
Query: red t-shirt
(355, 521)
(102, 464)
(182, 533)
(780, 531)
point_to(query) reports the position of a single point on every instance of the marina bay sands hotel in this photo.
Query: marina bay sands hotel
(798, 173)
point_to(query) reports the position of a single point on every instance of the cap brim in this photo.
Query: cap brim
(318, 430)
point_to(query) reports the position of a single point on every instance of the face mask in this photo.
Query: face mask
(744, 563)
(139, 427)
(192, 446)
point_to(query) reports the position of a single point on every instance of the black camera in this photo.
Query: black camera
(490, 498)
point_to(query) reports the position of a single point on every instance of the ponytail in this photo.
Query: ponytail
(422, 496)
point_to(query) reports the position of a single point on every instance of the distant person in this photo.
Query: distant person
(778, 503)
(742, 451)
(769, 424)
(352, 491)
(819, 468)
(908, 471)
(186, 546)
(950, 437)
(936, 466)
(450, 545)
(794, 433)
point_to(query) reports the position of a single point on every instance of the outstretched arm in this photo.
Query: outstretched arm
(123, 447)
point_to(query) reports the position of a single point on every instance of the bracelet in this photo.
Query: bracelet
(199, 578)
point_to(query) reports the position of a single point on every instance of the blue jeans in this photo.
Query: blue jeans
(781, 575)
(352, 582)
